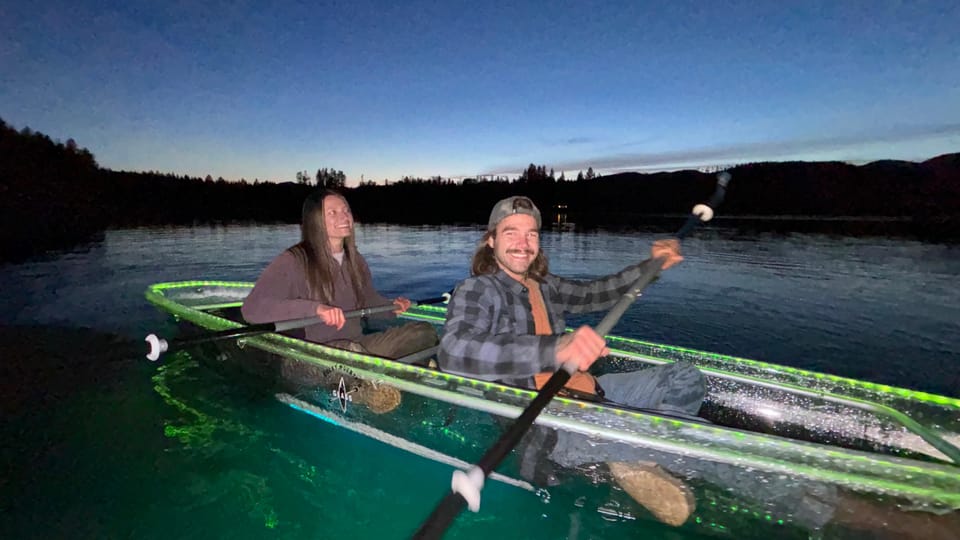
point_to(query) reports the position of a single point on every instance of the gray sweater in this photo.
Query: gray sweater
(281, 293)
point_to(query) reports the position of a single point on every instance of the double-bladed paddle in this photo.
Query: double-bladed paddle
(159, 345)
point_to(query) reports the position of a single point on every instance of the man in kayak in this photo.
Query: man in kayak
(325, 275)
(506, 323)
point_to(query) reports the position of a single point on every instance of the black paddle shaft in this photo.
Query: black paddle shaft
(653, 269)
(265, 328)
(158, 345)
(453, 503)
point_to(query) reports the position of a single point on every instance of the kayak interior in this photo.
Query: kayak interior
(771, 420)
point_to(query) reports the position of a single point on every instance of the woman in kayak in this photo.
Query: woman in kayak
(325, 275)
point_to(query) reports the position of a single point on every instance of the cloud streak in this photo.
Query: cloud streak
(748, 151)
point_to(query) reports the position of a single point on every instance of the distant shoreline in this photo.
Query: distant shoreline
(54, 195)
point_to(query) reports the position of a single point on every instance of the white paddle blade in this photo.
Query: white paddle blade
(468, 485)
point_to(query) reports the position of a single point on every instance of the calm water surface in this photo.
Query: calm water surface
(99, 443)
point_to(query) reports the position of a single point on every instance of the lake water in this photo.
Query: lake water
(100, 443)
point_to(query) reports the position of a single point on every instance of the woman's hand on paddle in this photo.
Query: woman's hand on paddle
(331, 316)
(668, 250)
(583, 346)
(402, 304)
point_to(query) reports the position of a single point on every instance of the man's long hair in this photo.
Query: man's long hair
(485, 262)
(313, 251)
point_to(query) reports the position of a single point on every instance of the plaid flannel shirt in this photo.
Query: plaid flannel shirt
(489, 333)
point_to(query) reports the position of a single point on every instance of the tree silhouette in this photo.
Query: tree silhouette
(330, 178)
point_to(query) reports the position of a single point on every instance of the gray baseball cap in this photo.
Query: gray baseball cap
(517, 204)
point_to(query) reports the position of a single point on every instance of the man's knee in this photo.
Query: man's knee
(688, 374)
(688, 387)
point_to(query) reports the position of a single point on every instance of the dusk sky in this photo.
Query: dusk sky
(387, 89)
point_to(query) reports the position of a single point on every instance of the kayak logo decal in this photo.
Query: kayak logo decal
(340, 385)
(341, 395)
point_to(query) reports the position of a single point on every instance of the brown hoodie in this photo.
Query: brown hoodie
(281, 293)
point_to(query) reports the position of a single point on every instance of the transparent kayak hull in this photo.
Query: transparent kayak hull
(773, 439)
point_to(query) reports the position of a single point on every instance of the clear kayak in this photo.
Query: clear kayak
(773, 445)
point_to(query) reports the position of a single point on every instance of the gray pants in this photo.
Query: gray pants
(678, 387)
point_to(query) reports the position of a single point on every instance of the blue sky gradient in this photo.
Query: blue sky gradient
(385, 89)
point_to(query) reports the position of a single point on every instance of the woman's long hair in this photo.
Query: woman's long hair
(485, 262)
(313, 251)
